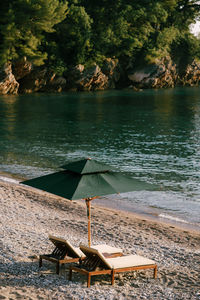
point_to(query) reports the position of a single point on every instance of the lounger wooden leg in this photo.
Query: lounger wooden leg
(88, 280)
(40, 262)
(70, 274)
(57, 267)
(155, 272)
(112, 277)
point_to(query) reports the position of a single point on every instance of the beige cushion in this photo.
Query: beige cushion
(129, 261)
(86, 249)
(103, 248)
(119, 262)
(56, 238)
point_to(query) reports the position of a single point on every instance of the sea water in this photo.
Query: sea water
(152, 135)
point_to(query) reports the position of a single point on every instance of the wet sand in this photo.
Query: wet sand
(27, 216)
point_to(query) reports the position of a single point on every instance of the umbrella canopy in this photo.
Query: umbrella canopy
(87, 166)
(87, 179)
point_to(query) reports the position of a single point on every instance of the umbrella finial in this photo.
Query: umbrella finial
(89, 158)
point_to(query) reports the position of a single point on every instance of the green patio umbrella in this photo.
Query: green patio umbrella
(87, 179)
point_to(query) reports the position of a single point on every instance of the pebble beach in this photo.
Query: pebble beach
(28, 216)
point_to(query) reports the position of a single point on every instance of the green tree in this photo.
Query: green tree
(140, 30)
(171, 36)
(73, 36)
(184, 13)
(22, 27)
(183, 51)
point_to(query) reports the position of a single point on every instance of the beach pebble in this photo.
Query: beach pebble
(28, 216)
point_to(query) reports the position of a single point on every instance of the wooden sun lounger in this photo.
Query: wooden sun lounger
(63, 253)
(97, 264)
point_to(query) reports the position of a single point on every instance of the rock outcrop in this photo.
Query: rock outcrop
(21, 68)
(55, 84)
(23, 78)
(73, 76)
(8, 83)
(159, 75)
(41, 80)
(34, 81)
(113, 71)
(192, 75)
(91, 79)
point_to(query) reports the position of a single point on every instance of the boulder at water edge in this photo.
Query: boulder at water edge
(90, 79)
(8, 83)
(161, 74)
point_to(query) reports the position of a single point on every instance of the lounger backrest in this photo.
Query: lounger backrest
(89, 250)
(75, 252)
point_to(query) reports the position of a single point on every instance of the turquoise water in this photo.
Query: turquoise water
(152, 135)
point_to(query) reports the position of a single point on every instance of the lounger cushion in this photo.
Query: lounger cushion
(107, 249)
(119, 262)
(86, 250)
(129, 261)
(76, 250)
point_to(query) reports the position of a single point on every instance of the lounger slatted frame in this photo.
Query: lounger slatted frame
(94, 265)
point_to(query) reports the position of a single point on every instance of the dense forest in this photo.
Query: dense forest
(60, 34)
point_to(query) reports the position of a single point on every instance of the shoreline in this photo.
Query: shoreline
(153, 217)
(29, 215)
(111, 206)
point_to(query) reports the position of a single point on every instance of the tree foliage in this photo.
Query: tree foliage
(23, 24)
(61, 34)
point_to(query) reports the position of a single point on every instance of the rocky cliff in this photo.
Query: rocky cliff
(22, 77)
(161, 74)
(8, 83)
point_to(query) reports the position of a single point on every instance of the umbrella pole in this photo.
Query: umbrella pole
(87, 201)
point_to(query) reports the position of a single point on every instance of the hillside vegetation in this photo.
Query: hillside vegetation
(62, 34)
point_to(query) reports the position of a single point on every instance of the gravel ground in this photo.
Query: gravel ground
(28, 216)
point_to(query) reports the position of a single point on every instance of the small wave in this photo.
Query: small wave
(8, 179)
(171, 218)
